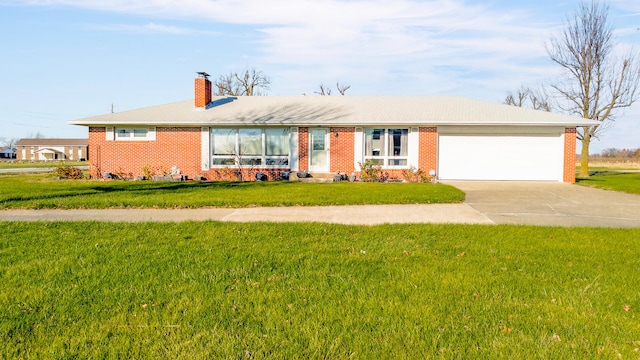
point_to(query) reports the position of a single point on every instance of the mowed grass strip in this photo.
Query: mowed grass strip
(297, 291)
(39, 191)
(22, 164)
(628, 182)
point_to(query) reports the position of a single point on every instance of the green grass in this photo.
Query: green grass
(223, 290)
(15, 164)
(37, 191)
(613, 180)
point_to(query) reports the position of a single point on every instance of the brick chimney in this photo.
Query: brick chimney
(202, 90)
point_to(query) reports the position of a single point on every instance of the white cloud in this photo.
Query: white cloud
(151, 28)
(433, 46)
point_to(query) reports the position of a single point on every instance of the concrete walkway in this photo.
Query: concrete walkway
(356, 214)
(532, 203)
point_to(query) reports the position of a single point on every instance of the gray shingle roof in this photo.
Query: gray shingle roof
(334, 111)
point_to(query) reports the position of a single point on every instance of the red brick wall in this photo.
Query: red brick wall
(569, 155)
(179, 146)
(303, 148)
(342, 149)
(202, 88)
(428, 149)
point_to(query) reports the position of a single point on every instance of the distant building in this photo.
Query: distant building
(52, 149)
(7, 152)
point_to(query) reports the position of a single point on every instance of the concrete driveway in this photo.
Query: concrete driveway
(553, 204)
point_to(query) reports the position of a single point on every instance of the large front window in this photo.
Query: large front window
(387, 147)
(250, 147)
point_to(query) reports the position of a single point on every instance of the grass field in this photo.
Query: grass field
(36, 191)
(219, 290)
(601, 163)
(628, 182)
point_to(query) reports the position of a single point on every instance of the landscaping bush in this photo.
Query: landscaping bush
(372, 172)
(415, 175)
(68, 172)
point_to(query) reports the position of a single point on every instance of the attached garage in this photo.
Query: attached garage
(501, 153)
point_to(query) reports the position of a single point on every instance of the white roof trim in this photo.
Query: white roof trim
(48, 151)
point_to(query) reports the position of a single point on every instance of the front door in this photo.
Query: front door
(319, 150)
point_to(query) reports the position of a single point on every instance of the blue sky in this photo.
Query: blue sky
(67, 59)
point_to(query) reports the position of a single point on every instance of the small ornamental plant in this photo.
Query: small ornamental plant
(415, 175)
(150, 171)
(371, 171)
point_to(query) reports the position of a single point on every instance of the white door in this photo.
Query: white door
(501, 157)
(319, 150)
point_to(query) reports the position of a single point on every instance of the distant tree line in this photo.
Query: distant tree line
(618, 153)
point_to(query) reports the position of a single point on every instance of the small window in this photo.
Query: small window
(134, 133)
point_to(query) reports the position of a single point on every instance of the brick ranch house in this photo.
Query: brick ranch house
(456, 138)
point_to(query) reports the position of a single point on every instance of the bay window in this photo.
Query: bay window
(250, 147)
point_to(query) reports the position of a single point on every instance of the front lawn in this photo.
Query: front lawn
(213, 290)
(21, 164)
(37, 191)
(628, 182)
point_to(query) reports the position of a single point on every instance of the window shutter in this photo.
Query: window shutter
(414, 148)
(293, 149)
(151, 134)
(358, 149)
(109, 133)
(205, 150)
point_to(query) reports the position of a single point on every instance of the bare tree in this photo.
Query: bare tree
(248, 83)
(597, 83)
(326, 91)
(8, 142)
(525, 97)
(37, 135)
(342, 88)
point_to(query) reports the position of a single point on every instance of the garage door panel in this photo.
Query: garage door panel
(495, 157)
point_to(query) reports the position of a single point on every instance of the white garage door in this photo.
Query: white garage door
(501, 157)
